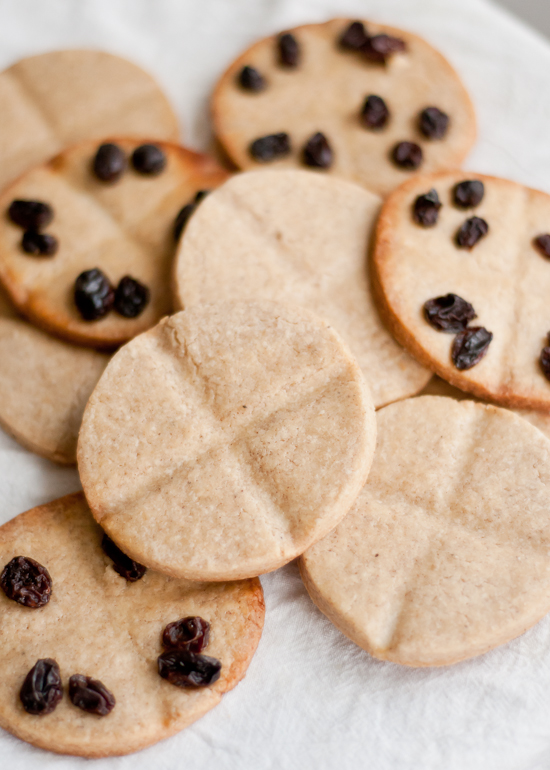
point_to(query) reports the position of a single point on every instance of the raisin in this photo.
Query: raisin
(30, 215)
(149, 159)
(185, 213)
(354, 37)
(192, 633)
(426, 209)
(289, 50)
(433, 123)
(318, 152)
(188, 669)
(91, 695)
(26, 582)
(270, 147)
(127, 568)
(407, 155)
(109, 162)
(250, 79)
(470, 346)
(39, 244)
(450, 313)
(131, 297)
(545, 359)
(380, 47)
(471, 232)
(468, 194)
(93, 294)
(375, 113)
(542, 244)
(42, 689)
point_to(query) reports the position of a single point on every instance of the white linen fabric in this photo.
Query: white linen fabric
(312, 699)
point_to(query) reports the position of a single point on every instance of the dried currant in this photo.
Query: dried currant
(374, 113)
(251, 80)
(379, 48)
(450, 313)
(42, 689)
(26, 582)
(468, 194)
(318, 152)
(470, 346)
(289, 50)
(91, 695)
(149, 159)
(185, 213)
(270, 147)
(109, 163)
(127, 568)
(30, 215)
(426, 208)
(354, 36)
(407, 155)
(192, 633)
(39, 244)
(542, 244)
(471, 232)
(433, 123)
(131, 297)
(93, 294)
(188, 669)
(545, 359)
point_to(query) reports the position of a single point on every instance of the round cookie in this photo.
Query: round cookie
(223, 442)
(500, 284)
(125, 227)
(98, 624)
(325, 92)
(445, 553)
(59, 98)
(44, 386)
(293, 236)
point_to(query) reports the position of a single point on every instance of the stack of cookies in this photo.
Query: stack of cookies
(211, 348)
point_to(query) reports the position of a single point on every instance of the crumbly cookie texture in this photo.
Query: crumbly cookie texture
(504, 277)
(44, 386)
(226, 440)
(294, 236)
(445, 554)
(123, 228)
(98, 624)
(62, 97)
(325, 93)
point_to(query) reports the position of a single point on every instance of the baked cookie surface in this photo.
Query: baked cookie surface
(445, 553)
(98, 624)
(500, 284)
(59, 98)
(123, 227)
(293, 236)
(224, 441)
(325, 92)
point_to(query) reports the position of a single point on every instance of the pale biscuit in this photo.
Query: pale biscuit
(226, 440)
(98, 624)
(325, 93)
(504, 277)
(122, 228)
(44, 386)
(62, 97)
(446, 552)
(293, 236)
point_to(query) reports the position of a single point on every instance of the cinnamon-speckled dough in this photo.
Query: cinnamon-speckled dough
(59, 98)
(223, 442)
(326, 93)
(98, 624)
(446, 552)
(123, 228)
(294, 236)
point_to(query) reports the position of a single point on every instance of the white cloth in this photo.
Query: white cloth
(312, 699)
